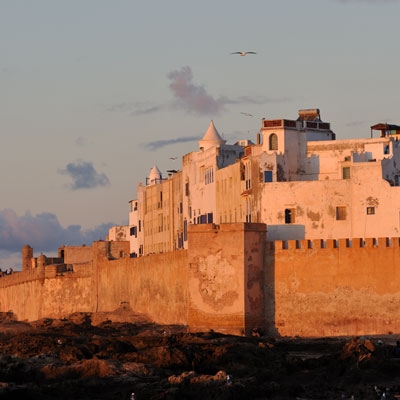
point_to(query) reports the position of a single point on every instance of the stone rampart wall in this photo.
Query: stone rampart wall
(155, 285)
(230, 280)
(44, 292)
(333, 288)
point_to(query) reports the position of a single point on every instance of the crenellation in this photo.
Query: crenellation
(330, 244)
(369, 242)
(317, 244)
(395, 242)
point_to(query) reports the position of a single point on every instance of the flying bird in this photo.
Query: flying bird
(246, 114)
(173, 158)
(243, 53)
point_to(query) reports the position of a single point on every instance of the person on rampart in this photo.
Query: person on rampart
(8, 271)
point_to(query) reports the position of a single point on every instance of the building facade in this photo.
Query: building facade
(296, 178)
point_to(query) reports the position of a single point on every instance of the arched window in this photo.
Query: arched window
(273, 142)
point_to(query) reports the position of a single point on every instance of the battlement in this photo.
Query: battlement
(354, 243)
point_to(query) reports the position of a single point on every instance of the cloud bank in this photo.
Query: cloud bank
(84, 176)
(43, 232)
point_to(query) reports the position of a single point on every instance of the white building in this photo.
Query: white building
(297, 178)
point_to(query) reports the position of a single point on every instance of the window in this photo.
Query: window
(346, 173)
(134, 205)
(133, 231)
(160, 223)
(341, 213)
(267, 176)
(159, 204)
(247, 173)
(289, 215)
(187, 188)
(386, 149)
(242, 172)
(370, 210)
(209, 175)
(185, 230)
(273, 142)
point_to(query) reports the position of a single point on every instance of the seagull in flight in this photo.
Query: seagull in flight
(173, 158)
(246, 114)
(243, 53)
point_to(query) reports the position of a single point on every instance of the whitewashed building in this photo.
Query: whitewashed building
(297, 178)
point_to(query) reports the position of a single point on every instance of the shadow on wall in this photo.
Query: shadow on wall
(286, 232)
(269, 291)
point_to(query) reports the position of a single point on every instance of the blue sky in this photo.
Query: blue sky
(93, 93)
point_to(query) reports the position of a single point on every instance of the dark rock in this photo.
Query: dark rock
(89, 356)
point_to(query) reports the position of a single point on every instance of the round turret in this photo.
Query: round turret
(41, 260)
(27, 255)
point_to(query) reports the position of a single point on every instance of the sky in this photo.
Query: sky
(94, 93)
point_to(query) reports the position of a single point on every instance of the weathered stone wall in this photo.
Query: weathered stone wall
(334, 288)
(42, 292)
(155, 285)
(230, 280)
(77, 254)
(225, 277)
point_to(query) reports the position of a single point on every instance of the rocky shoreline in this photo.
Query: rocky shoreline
(90, 356)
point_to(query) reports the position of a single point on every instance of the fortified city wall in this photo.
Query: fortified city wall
(334, 288)
(230, 280)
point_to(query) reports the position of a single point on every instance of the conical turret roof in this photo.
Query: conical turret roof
(154, 176)
(211, 138)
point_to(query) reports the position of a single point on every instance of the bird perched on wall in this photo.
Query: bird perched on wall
(243, 53)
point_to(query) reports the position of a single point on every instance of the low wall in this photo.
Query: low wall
(333, 288)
